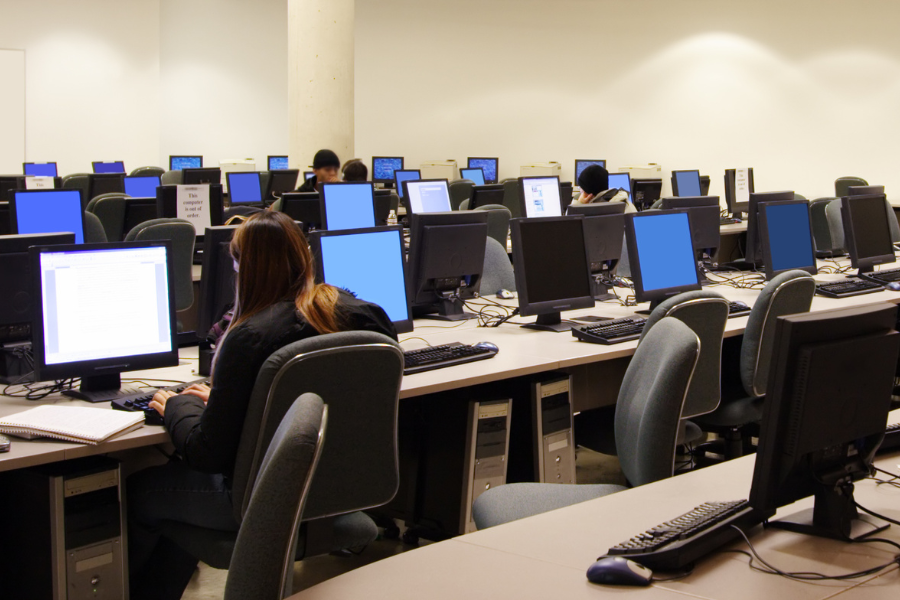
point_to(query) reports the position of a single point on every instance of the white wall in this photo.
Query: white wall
(777, 85)
(12, 110)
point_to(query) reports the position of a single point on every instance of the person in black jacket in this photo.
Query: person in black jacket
(277, 303)
(325, 166)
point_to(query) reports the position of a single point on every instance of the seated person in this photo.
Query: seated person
(325, 168)
(278, 302)
(355, 170)
(594, 184)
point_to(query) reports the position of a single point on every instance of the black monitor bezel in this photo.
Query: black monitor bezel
(651, 184)
(614, 221)
(640, 294)
(868, 263)
(382, 180)
(202, 171)
(865, 190)
(209, 269)
(496, 166)
(323, 193)
(171, 156)
(480, 190)
(309, 199)
(674, 180)
(405, 197)
(762, 213)
(473, 169)
(521, 187)
(269, 162)
(13, 216)
(270, 184)
(55, 168)
(94, 164)
(596, 209)
(753, 251)
(262, 196)
(398, 185)
(94, 178)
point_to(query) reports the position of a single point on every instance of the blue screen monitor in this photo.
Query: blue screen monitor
(383, 168)
(47, 211)
(348, 205)
(686, 183)
(47, 169)
(583, 163)
(475, 174)
(786, 237)
(278, 163)
(426, 196)
(401, 175)
(661, 253)
(142, 187)
(621, 181)
(369, 263)
(244, 187)
(177, 163)
(487, 164)
(116, 166)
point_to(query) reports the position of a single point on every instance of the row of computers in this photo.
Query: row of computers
(176, 163)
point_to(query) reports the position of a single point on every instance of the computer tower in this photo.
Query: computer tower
(547, 169)
(487, 453)
(554, 445)
(648, 171)
(67, 540)
(439, 169)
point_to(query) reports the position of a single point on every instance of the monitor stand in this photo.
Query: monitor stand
(100, 388)
(450, 309)
(600, 289)
(653, 305)
(833, 516)
(549, 322)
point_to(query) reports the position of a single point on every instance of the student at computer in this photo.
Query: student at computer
(355, 170)
(326, 166)
(272, 310)
(594, 184)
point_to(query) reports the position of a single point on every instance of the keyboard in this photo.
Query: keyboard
(141, 400)
(447, 355)
(737, 309)
(891, 438)
(613, 331)
(847, 287)
(882, 277)
(728, 221)
(676, 544)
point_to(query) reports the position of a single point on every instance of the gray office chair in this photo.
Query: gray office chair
(395, 202)
(460, 190)
(172, 177)
(241, 211)
(822, 239)
(511, 197)
(183, 235)
(78, 181)
(800, 197)
(93, 230)
(110, 209)
(498, 222)
(786, 294)
(498, 271)
(262, 564)
(647, 416)
(148, 172)
(842, 183)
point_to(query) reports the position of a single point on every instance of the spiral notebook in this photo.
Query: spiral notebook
(82, 424)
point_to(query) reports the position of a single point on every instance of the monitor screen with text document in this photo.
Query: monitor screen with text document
(48, 211)
(540, 196)
(427, 195)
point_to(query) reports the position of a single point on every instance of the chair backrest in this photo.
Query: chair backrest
(706, 313)
(892, 222)
(460, 190)
(511, 197)
(78, 181)
(110, 209)
(183, 235)
(93, 230)
(657, 205)
(498, 271)
(786, 294)
(842, 183)
(648, 410)
(835, 226)
(172, 177)
(241, 211)
(359, 466)
(262, 564)
(498, 222)
(148, 172)
(822, 239)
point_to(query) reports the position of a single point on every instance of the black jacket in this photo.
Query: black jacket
(309, 185)
(207, 437)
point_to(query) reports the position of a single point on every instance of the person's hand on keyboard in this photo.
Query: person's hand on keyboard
(159, 401)
(199, 390)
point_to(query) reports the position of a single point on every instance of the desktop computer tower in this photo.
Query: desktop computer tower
(553, 443)
(547, 169)
(487, 453)
(648, 171)
(439, 169)
(67, 540)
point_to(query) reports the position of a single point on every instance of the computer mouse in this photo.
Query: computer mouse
(615, 570)
(488, 346)
(505, 294)
(893, 286)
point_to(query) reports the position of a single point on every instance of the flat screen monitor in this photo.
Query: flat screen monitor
(753, 253)
(304, 207)
(179, 163)
(446, 261)
(540, 197)
(105, 183)
(187, 202)
(370, 264)
(244, 187)
(115, 166)
(277, 163)
(738, 187)
(281, 182)
(865, 190)
(482, 195)
(426, 195)
(475, 175)
(384, 200)
(47, 169)
(383, 168)
(596, 209)
(603, 238)
(103, 309)
(202, 175)
(142, 186)
(488, 165)
(308, 175)
(9, 183)
(348, 205)
(787, 239)
(551, 271)
(661, 253)
(621, 181)
(5, 225)
(583, 163)
(137, 211)
(644, 192)
(401, 175)
(703, 212)
(216, 277)
(867, 233)
(686, 183)
(47, 211)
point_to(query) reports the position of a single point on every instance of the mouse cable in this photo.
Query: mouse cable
(676, 577)
(415, 338)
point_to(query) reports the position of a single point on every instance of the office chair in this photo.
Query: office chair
(511, 197)
(242, 211)
(460, 190)
(110, 209)
(498, 222)
(498, 271)
(148, 172)
(262, 564)
(647, 416)
(78, 181)
(395, 203)
(842, 183)
(172, 177)
(786, 294)
(93, 230)
(183, 235)
(823, 241)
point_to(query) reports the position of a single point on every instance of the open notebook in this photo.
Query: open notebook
(81, 424)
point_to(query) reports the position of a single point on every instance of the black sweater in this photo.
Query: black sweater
(207, 437)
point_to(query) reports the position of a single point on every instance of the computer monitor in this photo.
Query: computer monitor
(105, 183)
(865, 190)
(401, 175)
(383, 202)
(103, 309)
(621, 181)
(304, 207)
(703, 212)
(244, 187)
(182, 202)
(661, 254)
(426, 195)
(179, 163)
(115, 166)
(47, 169)
(142, 186)
(753, 253)
(277, 163)
(446, 261)
(787, 240)
(738, 187)
(201, 175)
(566, 195)
(476, 175)
(348, 205)
(686, 183)
(308, 175)
(383, 168)
(867, 233)
(824, 416)
(482, 195)
(551, 271)
(368, 263)
(5, 224)
(280, 182)
(583, 163)
(596, 209)
(644, 192)
(603, 238)
(488, 165)
(47, 211)
(540, 197)
(137, 211)
(9, 183)
(216, 277)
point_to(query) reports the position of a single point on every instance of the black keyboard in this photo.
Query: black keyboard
(882, 277)
(676, 544)
(737, 309)
(438, 357)
(891, 438)
(728, 220)
(141, 400)
(847, 287)
(613, 331)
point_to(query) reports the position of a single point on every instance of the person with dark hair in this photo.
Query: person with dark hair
(277, 302)
(594, 184)
(355, 170)
(326, 165)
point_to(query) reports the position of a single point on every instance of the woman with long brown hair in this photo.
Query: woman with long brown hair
(277, 302)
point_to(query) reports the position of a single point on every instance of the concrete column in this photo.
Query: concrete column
(320, 78)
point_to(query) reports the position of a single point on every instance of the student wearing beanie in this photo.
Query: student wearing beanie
(325, 166)
(594, 184)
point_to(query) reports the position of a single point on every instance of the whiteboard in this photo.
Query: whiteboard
(12, 111)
